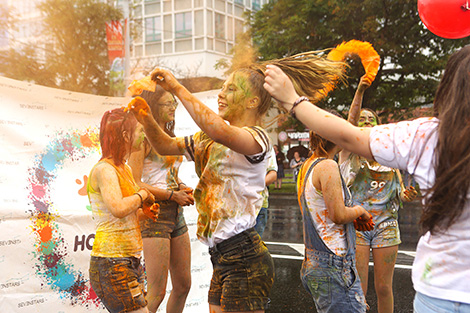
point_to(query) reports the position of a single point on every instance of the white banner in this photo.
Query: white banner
(49, 141)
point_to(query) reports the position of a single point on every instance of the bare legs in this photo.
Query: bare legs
(161, 255)
(218, 309)
(384, 265)
(180, 271)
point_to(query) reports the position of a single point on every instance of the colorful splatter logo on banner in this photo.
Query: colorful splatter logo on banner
(50, 249)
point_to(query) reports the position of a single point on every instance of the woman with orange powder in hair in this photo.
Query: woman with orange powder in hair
(166, 241)
(117, 203)
(328, 272)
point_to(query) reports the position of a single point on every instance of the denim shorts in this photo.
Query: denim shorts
(170, 222)
(261, 221)
(385, 234)
(333, 282)
(426, 304)
(118, 282)
(243, 273)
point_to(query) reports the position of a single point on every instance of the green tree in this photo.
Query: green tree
(412, 58)
(78, 60)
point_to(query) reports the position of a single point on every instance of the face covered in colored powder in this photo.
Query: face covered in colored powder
(139, 137)
(367, 119)
(166, 107)
(234, 96)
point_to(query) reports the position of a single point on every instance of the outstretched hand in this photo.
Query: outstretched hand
(165, 79)
(139, 107)
(279, 85)
(364, 222)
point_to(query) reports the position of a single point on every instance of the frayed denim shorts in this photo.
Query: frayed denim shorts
(385, 234)
(243, 273)
(170, 222)
(118, 282)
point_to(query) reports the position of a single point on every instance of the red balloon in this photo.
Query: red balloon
(446, 18)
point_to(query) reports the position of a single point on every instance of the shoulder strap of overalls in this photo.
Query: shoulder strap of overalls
(310, 233)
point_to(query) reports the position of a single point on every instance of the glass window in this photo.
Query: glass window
(219, 26)
(153, 28)
(256, 4)
(239, 2)
(183, 25)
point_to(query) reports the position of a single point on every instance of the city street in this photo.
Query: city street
(283, 236)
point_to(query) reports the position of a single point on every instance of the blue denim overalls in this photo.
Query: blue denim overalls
(332, 280)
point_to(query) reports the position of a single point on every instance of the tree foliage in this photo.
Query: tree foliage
(78, 60)
(412, 58)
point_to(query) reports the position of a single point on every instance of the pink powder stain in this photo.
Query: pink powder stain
(38, 191)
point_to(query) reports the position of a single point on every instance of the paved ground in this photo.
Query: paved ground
(284, 239)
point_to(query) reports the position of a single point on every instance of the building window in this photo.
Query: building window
(239, 2)
(256, 4)
(153, 28)
(219, 26)
(183, 25)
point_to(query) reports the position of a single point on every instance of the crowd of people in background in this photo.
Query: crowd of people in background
(349, 191)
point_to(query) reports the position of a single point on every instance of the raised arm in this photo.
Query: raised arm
(159, 140)
(355, 111)
(231, 136)
(327, 125)
(356, 104)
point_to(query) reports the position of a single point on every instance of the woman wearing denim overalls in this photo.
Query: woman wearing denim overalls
(329, 272)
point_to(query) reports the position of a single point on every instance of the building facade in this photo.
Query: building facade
(187, 36)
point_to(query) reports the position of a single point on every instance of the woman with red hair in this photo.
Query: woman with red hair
(117, 203)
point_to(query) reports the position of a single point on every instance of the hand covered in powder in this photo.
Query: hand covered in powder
(364, 222)
(139, 107)
(150, 208)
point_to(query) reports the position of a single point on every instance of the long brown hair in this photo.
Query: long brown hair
(153, 100)
(448, 195)
(114, 124)
(311, 72)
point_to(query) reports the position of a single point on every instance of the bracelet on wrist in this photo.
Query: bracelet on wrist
(296, 103)
(171, 195)
(141, 199)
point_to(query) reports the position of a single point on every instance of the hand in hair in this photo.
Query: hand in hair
(139, 107)
(165, 79)
(278, 84)
(364, 223)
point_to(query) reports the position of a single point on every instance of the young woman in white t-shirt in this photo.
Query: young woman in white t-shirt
(436, 151)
